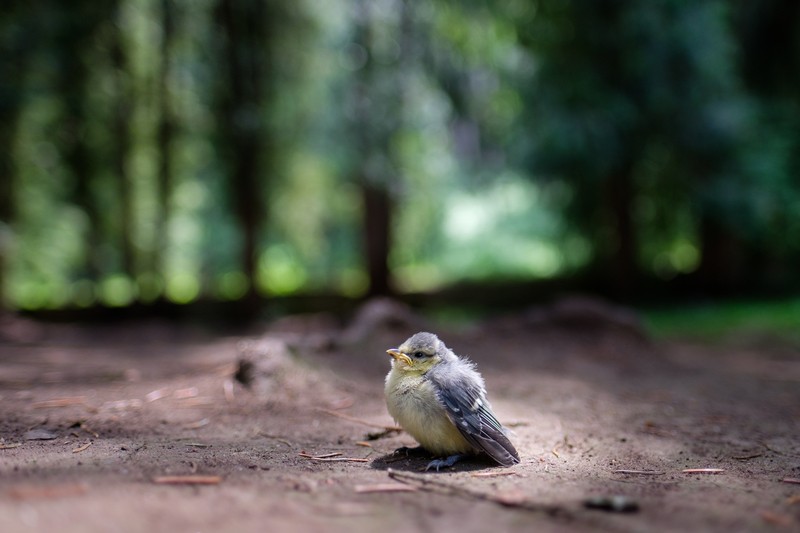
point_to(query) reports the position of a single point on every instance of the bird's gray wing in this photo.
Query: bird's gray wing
(468, 409)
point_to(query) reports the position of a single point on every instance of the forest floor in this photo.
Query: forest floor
(143, 427)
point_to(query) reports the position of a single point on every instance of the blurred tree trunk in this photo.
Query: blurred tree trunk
(377, 225)
(15, 51)
(72, 39)
(721, 256)
(166, 132)
(122, 142)
(246, 41)
(770, 65)
(8, 119)
(378, 167)
(770, 46)
(623, 269)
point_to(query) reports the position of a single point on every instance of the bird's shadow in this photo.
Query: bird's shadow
(416, 461)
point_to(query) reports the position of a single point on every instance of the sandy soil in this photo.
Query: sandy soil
(93, 419)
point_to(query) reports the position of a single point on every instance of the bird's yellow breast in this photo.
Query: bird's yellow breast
(412, 402)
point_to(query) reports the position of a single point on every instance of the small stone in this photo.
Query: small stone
(614, 504)
(40, 434)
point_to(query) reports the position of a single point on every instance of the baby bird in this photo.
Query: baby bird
(440, 400)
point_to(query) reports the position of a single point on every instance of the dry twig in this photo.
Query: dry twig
(507, 499)
(376, 435)
(47, 492)
(187, 480)
(394, 458)
(493, 474)
(564, 442)
(384, 487)
(359, 420)
(702, 470)
(188, 392)
(84, 427)
(198, 401)
(323, 456)
(9, 446)
(60, 402)
(156, 395)
(775, 519)
(227, 389)
(553, 450)
(275, 437)
(779, 452)
(640, 472)
(793, 480)
(196, 425)
(328, 458)
(746, 457)
(342, 403)
(81, 448)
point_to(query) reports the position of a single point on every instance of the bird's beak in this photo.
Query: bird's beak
(400, 356)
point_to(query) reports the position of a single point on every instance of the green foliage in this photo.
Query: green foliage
(503, 134)
(718, 320)
(644, 90)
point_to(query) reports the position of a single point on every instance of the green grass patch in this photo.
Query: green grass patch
(718, 319)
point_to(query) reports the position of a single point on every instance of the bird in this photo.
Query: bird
(440, 399)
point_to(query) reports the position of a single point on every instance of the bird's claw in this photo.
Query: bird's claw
(408, 450)
(436, 464)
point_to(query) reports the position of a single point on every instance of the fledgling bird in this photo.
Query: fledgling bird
(440, 399)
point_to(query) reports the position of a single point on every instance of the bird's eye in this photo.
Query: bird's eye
(418, 355)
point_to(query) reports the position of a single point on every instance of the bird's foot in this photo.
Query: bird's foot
(436, 464)
(408, 450)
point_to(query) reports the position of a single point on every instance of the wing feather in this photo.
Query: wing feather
(470, 412)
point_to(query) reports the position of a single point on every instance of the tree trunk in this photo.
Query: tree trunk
(74, 36)
(166, 133)
(76, 156)
(12, 72)
(377, 165)
(122, 141)
(720, 257)
(246, 56)
(377, 224)
(622, 264)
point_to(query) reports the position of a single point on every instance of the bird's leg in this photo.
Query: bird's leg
(446, 463)
(408, 450)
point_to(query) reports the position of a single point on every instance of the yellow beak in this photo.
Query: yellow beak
(400, 356)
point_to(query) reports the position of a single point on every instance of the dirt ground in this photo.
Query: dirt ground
(97, 422)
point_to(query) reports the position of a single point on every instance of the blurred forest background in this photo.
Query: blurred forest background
(162, 152)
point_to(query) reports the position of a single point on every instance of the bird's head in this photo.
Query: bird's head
(420, 353)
